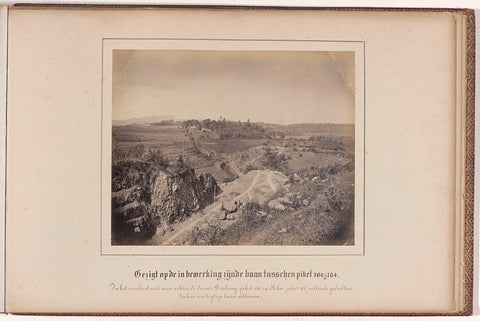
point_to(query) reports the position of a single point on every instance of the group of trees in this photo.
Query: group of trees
(328, 142)
(165, 122)
(227, 128)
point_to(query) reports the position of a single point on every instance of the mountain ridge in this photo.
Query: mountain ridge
(142, 120)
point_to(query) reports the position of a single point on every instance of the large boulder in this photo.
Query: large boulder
(163, 194)
(276, 205)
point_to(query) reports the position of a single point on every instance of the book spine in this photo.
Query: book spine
(3, 127)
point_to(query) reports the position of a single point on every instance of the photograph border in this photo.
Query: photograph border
(360, 252)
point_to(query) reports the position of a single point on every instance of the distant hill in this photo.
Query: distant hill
(142, 120)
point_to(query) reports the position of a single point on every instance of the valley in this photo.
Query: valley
(208, 182)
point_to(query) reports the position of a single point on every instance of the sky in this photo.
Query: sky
(282, 87)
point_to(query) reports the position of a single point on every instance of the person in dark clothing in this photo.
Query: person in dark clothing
(234, 210)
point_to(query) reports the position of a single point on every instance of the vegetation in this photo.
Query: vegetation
(227, 129)
(315, 213)
(314, 205)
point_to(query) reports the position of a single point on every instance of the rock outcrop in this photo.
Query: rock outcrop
(174, 196)
(146, 193)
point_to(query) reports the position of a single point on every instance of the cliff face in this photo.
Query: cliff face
(175, 196)
(145, 194)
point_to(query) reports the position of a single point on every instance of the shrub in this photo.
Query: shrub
(207, 234)
(155, 157)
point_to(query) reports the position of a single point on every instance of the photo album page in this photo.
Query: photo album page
(167, 160)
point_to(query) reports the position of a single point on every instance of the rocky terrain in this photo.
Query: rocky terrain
(148, 192)
(232, 183)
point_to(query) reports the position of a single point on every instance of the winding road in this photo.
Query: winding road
(211, 211)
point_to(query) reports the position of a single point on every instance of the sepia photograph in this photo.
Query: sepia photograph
(224, 147)
(226, 161)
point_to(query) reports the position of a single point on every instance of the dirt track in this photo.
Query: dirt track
(256, 185)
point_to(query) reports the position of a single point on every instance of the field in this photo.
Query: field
(272, 184)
